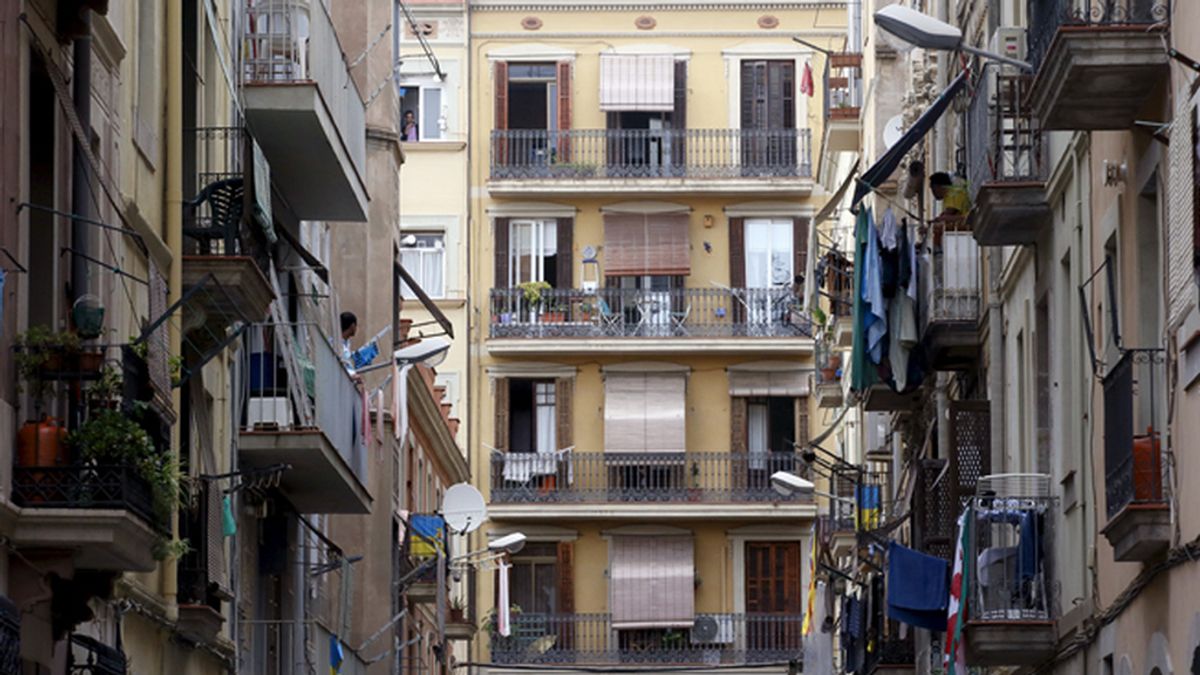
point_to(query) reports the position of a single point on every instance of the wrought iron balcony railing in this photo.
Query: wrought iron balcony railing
(591, 639)
(1011, 545)
(951, 275)
(1005, 143)
(587, 154)
(86, 486)
(1047, 17)
(844, 86)
(608, 477)
(10, 636)
(674, 313)
(89, 656)
(1134, 419)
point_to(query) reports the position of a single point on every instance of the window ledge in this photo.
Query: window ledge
(432, 146)
(443, 303)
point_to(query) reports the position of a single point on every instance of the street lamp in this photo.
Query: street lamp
(927, 32)
(430, 351)
(787, 484)
(509, 543)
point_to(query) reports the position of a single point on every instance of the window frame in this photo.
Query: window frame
(539, 229)
(425, 131)
(419, 275)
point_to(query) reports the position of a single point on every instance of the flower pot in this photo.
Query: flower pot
(456, 615)
(87, 315)
(828, 374)
(404, 328)
(42, 443)
(554, 317)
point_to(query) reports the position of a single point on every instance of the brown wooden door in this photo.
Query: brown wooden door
(768, 100)
(774, 596)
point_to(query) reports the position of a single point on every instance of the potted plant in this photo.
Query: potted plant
(457, 611)
(111, 438)
(532, 291)
(693, 492)
(41, 441)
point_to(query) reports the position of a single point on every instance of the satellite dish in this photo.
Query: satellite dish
(463, 508)
(893, 129)
(704, 630)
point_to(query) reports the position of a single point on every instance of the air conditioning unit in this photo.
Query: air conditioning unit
(713, 629)
(1009, 41)
(269, 411)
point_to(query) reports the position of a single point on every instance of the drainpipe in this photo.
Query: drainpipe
(81, 202)
(174, 231)
(996, 360)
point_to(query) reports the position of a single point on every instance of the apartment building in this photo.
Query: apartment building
(198, 482)
(642, 193)
(434, 82)
(1053, 321)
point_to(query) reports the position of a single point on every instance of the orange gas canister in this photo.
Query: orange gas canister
(1147, 467)
(42, 443)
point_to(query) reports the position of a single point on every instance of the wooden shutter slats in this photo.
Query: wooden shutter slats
(563, 411)
(679, 117)
(500, 236)
(737, 264)
(500, 82)
(800, 250)
(500, 401)
(646, 244)
(564, 258)
(564, 109)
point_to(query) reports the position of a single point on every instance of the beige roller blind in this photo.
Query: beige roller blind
(767, 383)
(653, 243)
(645, 412)
(652, 581)
(637, 82)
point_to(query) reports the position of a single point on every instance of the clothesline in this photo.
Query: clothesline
(889, 200)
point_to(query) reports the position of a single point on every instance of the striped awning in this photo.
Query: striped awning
(637, 82)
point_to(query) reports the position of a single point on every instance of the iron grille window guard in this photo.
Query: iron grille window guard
(1046, 17)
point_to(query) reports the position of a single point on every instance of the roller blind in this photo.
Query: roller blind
(637, 244)
(629, 82)
(652, 582)
(768, 383)
(644, 412)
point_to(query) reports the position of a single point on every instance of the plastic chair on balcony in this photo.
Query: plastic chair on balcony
(679, 319)
(225, 206)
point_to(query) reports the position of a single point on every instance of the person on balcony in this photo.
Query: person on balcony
(953, 195)
(354, 359)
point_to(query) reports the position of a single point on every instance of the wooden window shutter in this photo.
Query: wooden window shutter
(800, 249)
(566, 592)
(564, 258)
(679, 116)
(501, 251)
(801, 421)
(500, 402)
(563, 411)
(564, 110)
(738, 411)
(566, 577)
(500, 82)
(737, 264)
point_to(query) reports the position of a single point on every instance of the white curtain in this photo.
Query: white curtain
(756, 441)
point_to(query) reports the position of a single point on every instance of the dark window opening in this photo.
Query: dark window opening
(532, 96)
(43, 265)
(531, 415)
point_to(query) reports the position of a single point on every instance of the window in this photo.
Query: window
(532, 96)
(769, 253)
(428, 121)
(532, 252)
(423, 254)
(146, 108)
(768, 119)
(532, 420)
(534, 578)
(535, 97)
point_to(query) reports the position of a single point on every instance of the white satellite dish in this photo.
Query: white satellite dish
(463, 508)
(893, 129)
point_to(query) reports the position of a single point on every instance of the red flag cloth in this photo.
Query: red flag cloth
(806, 81)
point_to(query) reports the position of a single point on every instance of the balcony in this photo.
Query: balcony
(611, 484)
(633, 320)
(305, 109)
(89, 656)
(893, 656)
(225, 288)
(1008, 158)
(1098, 61)
(651, 161)
(829, 384)
(843, 102)
(951, 284)
(590, 639)
(1013, 594)
(304, 412)
(103, 514)
(1139, 519)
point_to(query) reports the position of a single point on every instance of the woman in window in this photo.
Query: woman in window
(410, 131)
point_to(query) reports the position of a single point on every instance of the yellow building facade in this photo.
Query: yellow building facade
(641, 197)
